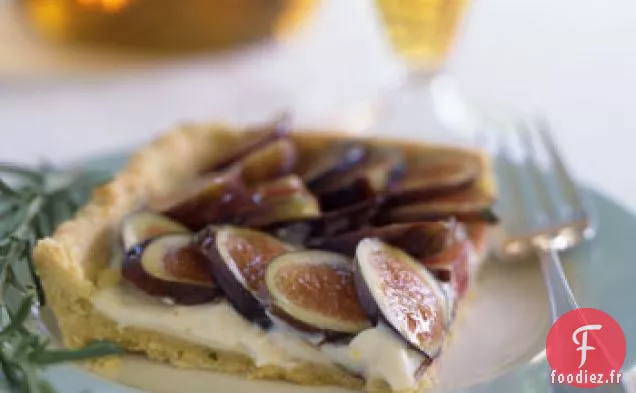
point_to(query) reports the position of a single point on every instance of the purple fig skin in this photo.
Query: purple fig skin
(421, 239)
(240, 297)
(350, 194)
(468, 205)
(295, 233)
(438, 179)
(311, 232)
(426, 239)
(485, 215)
(181, 293)
(363, 181)
(421, 370)
(283, 200)
(443, 275)
(347, 219)
(337, 338)
(364, 296)
(216, 203)
(328, 335)
(257, 138)
(399, 197)
(338, 159)
(428, 357)
(291, 321)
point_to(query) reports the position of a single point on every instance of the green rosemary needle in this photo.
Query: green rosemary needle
(32, 203)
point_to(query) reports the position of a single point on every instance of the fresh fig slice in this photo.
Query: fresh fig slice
(420, 239)
(171, 267)
(452, 265)
(361, 182)
(317, 289)
(310, 232)
(176, 258)
(439, 175)
(238, 258)
(295, 233)
(283, 200)
(478, 235)
(352, 193)
(471, 205)
(212, 199)
(142, 226)
(348, 218)
(337, 159)
(278, 189)
(452, 268)
(257, 138)
(394, 287)
(270, 161)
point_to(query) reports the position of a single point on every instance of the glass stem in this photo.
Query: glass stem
(427, 103)
(420, 77)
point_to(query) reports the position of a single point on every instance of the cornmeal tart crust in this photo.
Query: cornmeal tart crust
(310, 257)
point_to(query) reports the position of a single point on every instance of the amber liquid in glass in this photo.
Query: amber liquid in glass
(421, 31)
(165, 25)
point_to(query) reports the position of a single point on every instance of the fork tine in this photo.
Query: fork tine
(570, 189)
(534, 185)
(545, 193)
(517, 179)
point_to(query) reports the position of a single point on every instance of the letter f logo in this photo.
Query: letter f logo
(590, 339)
(583, 344)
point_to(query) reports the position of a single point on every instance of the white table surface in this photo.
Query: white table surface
(572, 59)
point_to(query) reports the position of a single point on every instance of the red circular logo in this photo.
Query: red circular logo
(586, 348)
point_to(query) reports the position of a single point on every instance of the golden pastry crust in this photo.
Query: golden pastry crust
(73, 263)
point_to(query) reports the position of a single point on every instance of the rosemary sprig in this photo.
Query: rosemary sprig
(32, 203)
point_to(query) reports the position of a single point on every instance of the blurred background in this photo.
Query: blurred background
(81, 77)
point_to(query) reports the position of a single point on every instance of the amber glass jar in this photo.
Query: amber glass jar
(164, 25)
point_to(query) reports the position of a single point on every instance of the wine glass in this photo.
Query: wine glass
(426, 104)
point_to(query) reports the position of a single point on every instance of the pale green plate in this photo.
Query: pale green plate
(602, 274)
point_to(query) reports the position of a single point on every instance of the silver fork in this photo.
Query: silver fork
(545, 215)
(546, 212)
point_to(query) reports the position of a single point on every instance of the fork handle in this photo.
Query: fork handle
(561, 301)
(559, 292)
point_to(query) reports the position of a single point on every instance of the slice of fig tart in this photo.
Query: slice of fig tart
(311, 257)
